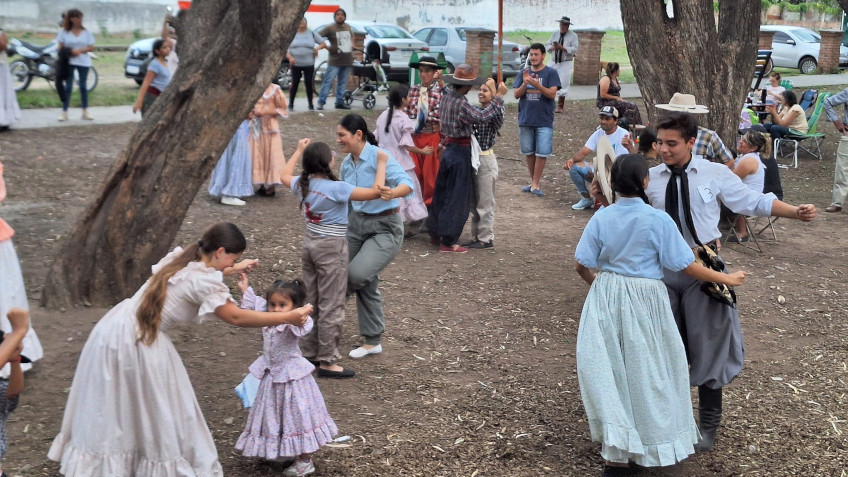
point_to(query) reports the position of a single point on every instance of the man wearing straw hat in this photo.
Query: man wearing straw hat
(423, 108)
(562, 45)
(708, 143)
(455, 182)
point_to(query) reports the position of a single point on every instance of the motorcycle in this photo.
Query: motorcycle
(39, 61)
(524, 56)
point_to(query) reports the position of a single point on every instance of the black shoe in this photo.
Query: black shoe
(291, 108)
(737, 239)
(612, 471)
(311, 108)
(314, 362)
(263, 192)
(342, 106)
(345, 373)
(480, 245)
(320, 106)
(469, 243)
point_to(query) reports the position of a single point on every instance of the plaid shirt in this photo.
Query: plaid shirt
(459, 117)
(709, 145)
(435, 93)
(487, 132)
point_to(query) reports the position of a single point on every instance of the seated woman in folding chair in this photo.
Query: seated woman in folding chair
(791, 116)
(751, 170)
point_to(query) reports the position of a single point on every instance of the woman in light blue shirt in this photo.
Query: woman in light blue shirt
(81, 42)
(375, 227)
(631, 364)
(157, 77)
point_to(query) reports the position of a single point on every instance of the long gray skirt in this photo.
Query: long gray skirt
(633, 375)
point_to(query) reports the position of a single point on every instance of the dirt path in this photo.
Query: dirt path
(478, 375)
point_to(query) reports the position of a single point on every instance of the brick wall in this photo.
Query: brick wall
(588, 59)
(766, 38)
(478, 51)
(829, 50)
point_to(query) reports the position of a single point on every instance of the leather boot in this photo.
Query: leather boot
(560, 104)
(709, 414)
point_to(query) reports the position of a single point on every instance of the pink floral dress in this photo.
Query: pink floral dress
(288, 417)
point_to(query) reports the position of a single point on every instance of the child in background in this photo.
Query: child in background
(288, 417)
(10, 352)
(631, 364)
(231, 178)
(266, 145)
(394, 134)
(324, 201)
(485, 175)
(12, 289)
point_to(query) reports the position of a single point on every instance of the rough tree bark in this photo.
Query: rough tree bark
(229, 51)
(689, 53)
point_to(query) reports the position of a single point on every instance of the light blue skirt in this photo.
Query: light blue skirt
(232, 176)
(633, 374)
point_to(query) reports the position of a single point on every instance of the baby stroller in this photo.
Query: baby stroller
(372, 78)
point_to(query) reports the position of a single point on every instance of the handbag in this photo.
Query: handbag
(706, 255)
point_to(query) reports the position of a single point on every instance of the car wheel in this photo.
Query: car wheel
(808, 65)
(20, 75)
(283, 77)
(769, 67)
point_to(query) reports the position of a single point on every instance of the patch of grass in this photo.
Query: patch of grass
(103, 95)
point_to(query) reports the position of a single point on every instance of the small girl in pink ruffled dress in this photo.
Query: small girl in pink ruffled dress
(288, 417)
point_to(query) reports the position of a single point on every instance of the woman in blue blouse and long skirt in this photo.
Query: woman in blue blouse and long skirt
(375, 228)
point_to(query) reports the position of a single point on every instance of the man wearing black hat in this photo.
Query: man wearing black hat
(455, 181)
(562, 45)
(423, 108)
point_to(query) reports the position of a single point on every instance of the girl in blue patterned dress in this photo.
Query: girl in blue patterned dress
(288, 417)
(631, 364)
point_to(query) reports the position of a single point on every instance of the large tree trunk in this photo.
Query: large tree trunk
(689, 54)
(229, 52)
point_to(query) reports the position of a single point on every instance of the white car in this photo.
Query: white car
(389, 43)
(798, 47)
(450, 40)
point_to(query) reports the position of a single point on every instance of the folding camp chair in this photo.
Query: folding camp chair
(797, 138)
(752, 243)
(807, 100)
(787, 85)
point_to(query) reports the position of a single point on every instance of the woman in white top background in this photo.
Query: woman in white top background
(751, 170)
(9, 110)
(81, 42)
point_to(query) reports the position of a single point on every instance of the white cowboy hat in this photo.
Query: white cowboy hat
(685, 103)
(605, 157)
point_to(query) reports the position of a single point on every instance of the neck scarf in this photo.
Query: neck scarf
(423, 109)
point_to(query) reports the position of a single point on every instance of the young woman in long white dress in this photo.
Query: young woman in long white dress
(131, 409)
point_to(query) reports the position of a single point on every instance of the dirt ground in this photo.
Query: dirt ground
(478, 374)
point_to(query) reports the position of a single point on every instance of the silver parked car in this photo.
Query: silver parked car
(450, 40)
(798, 47)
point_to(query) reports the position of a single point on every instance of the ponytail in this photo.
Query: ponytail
(316, 160)
(149, 312)
(395, 98)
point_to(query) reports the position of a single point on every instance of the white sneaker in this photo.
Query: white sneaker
(300, 468)
(585, 203)
(362, 352)
(63, 116)
(226, 200)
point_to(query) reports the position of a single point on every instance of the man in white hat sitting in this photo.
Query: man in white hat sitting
(562, 45)
(582, 172)
(708, 144)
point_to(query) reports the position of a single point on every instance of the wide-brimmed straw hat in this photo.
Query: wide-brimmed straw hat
(685, 103)
(464, 76)
(604, 159)
(425, 61)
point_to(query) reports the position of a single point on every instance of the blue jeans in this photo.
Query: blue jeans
(334, 72)
(82, 72)
(536, 140)
(578, 176)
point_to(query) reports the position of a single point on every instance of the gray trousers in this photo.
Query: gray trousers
(372, 243)
(324, 261)
(840, 174)
(710, 330)
(483, 200)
